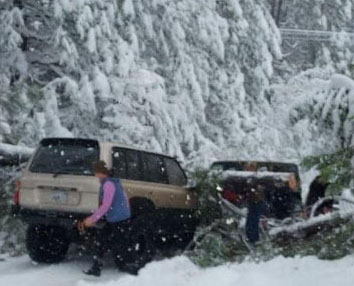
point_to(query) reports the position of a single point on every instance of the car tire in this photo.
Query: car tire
(138, 248)
(47, 244)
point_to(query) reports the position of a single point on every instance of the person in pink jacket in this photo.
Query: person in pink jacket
(114, 209)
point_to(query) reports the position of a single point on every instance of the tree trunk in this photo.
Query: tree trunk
(273, 8)
(279, 10)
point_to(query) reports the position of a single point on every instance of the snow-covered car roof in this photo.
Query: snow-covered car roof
(239, 165)
(284, 176)
(105, 144)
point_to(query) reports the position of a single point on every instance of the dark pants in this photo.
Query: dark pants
(283, 203)
(108, 237)
(255, 211)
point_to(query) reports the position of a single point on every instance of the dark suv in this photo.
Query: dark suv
(268, 181)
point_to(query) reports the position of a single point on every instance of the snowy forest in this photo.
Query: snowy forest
(188, 79)
(198, 80)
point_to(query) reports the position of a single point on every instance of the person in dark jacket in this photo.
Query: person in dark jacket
(264, 200)
(256, 209)
(255, 204)
(317, 191)
(114, 208)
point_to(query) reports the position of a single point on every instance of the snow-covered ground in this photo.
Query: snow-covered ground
(180, 271)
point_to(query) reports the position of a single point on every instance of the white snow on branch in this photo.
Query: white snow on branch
(339, 81)
(15, 149)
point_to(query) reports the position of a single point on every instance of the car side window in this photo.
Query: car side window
(175, 173)
(126, 164)
(154, 168)
(133, 165)
(119, 163)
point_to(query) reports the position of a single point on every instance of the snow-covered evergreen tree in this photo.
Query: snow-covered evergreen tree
(13, 65)
(319, 15)
(178, 77)
(330, 109)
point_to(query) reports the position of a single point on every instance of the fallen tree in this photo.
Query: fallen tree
(222, 239)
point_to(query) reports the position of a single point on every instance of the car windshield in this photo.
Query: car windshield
(66, 156)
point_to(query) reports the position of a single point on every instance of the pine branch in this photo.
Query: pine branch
(11, 155)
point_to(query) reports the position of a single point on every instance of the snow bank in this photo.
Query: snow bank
(182, 272)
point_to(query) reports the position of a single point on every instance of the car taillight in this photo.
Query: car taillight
(16, 197)
(293, 184)
(231, 196)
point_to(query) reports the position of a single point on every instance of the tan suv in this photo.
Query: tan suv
(58, 188)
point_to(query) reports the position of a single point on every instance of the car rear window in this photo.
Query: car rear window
(65, 156)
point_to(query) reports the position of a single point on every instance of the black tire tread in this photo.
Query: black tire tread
(129, 257)
(46, 244)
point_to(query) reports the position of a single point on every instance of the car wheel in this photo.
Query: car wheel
(138, 248)
(47, 244)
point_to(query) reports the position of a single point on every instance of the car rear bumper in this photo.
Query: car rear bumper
(172, 221)
(67, 220)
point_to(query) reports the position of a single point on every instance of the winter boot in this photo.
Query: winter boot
(95, 270)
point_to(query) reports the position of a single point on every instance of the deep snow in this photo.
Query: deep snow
(180, 271)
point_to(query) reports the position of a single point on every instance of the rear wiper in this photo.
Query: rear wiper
(60, 172)
(63, 171)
